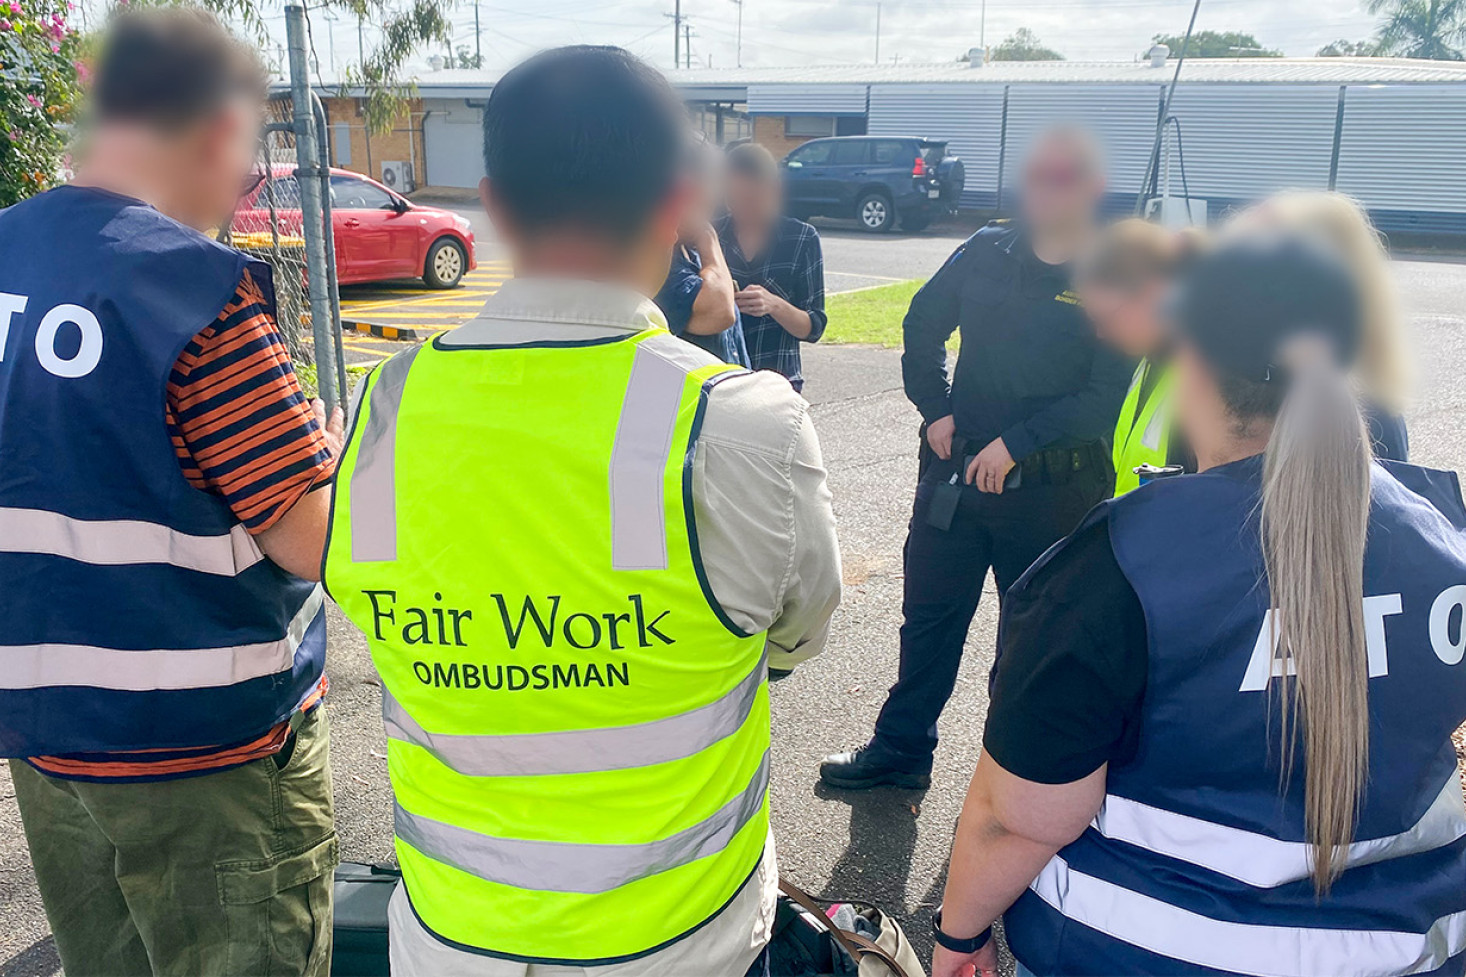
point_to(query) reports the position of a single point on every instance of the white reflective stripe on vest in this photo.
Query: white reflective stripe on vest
(582, 751)
(1244, 948)
(552, 866)
(640, 455)
(125, 542)
(373, 481)
(1258, 859)
(128, 670)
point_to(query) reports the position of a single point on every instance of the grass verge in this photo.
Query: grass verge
(872, 315)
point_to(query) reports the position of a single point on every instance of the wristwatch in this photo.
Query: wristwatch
(952, 943)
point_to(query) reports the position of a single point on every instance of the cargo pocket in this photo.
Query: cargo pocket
(279, 911)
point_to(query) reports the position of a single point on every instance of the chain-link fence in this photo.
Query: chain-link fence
(268, 224)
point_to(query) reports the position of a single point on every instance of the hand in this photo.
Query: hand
(990, 468)
(948, 963)
(939, 435)
(334, 430)
(756, 300)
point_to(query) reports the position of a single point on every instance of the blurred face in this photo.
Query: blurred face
(1127, 317)
(702, 195)
(213, 160)
(1061, 183)
(753, 201)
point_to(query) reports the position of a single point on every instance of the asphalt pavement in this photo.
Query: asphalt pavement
(885, 846)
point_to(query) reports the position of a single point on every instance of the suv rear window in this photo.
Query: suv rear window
(892, 152)
(933, 152)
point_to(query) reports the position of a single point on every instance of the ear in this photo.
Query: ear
(504, 225)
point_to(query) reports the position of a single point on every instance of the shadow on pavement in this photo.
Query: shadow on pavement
(37, 960)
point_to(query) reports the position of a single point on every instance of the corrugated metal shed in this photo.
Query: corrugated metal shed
(1122, 118)
(969, 117)
(1244, 142)
(806, 99)
(1405, 149)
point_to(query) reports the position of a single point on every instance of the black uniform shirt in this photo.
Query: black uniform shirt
(1030, 370)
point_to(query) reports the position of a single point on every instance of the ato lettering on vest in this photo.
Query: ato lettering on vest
(88, 351)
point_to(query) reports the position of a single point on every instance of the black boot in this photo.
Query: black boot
(870, 766)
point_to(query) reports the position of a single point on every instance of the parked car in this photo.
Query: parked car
(380, 235)
(878, 180)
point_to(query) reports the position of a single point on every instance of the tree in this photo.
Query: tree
(1218, 44)
(1348, 49)
(1430, 29)
(464, 57)
(40, 73)
(1024, 45)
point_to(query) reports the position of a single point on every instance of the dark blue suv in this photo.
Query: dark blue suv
(877, 180)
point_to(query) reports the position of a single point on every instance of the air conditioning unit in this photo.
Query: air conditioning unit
(398, 175)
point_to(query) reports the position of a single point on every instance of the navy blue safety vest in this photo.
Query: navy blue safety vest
(1197, 863)
(135, 611)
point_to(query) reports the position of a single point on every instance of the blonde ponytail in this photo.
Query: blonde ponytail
(1315, 514)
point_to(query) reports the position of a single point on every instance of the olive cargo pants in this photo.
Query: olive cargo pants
(220, 875)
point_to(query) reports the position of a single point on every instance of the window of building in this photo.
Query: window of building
(809, 125)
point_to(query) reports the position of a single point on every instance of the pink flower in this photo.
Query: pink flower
(15, 6)
(15, 135)
(4, 25)
(83, 73)
(35, 102)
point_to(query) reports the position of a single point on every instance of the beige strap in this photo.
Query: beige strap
(854, 944)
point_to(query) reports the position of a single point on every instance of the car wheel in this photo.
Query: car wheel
(447, 262)
(876, 213)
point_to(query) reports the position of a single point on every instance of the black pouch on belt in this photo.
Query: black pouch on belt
(945, 497)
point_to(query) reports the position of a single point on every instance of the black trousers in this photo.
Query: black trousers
(945, 571)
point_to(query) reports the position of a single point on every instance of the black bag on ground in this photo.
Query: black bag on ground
(360, 931)
(808, 943)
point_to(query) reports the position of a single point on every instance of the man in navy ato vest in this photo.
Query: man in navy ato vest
(162, 638)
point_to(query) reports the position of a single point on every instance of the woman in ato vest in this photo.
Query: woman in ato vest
(1219, 736)
(1123, 282)
(1382, 369)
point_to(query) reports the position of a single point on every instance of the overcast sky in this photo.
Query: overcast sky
(798, 32)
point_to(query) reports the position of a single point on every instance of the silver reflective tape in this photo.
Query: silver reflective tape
(552, 866)
(128, 670)
(1243, 948)
(582, 751)
(640, 455)
(1151, 436)
(125, 542)
(374, 478)
(1260, 860)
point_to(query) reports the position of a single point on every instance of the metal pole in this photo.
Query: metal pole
(1152, 164)
(334, 291)
(878, 33)
(478, 40)
(677, 34)
(740, 32)
(982, 31)
(308, 177)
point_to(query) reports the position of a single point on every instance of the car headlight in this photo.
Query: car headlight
(462, 222)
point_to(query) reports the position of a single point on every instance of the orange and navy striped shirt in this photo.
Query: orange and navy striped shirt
(242, 429)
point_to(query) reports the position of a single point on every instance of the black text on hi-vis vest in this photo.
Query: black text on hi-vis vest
(527, 620)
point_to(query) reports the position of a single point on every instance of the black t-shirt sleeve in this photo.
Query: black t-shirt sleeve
(1071, 666)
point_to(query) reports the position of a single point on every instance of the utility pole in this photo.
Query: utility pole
(687, 43)
(360, 45)
(739, 59)
(878, 33)
(478, 39)
(331, 38)
(982, 31)
(676, 16)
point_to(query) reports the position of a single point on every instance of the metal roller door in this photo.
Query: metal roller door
(1122, 118)
(1245, 141)
(453, 146)
(1404, 148)
(968, 116)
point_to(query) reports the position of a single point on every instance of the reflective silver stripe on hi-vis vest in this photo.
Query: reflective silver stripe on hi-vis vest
(552, 866)
(1151, 436)
(1259, 860)
(642, 449)
(587, 750)
(373, 481)
(125, 542)
(1243, 948)
(129, 670)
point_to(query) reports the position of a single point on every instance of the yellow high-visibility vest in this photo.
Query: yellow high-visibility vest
(1143, 432)
(578, 736)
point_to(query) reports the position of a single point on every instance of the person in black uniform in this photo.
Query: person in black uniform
(1014, 453)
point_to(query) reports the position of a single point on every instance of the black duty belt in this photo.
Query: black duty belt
(1049, 466)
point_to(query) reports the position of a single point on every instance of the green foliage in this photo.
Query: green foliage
(872, 315)
(1430, 29)
(39, 81)
(1217, 44)
(1344, 48)
(1024, 45)
(464, 57)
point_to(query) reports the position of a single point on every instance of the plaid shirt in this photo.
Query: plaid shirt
(793, 268)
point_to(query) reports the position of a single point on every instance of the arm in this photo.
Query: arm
(929, 323)
(1066, 693)
(1087, 415)
(268, 470)
(714, 308)
(1009, 829)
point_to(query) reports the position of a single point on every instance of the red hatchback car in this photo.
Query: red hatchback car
(380, 236)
